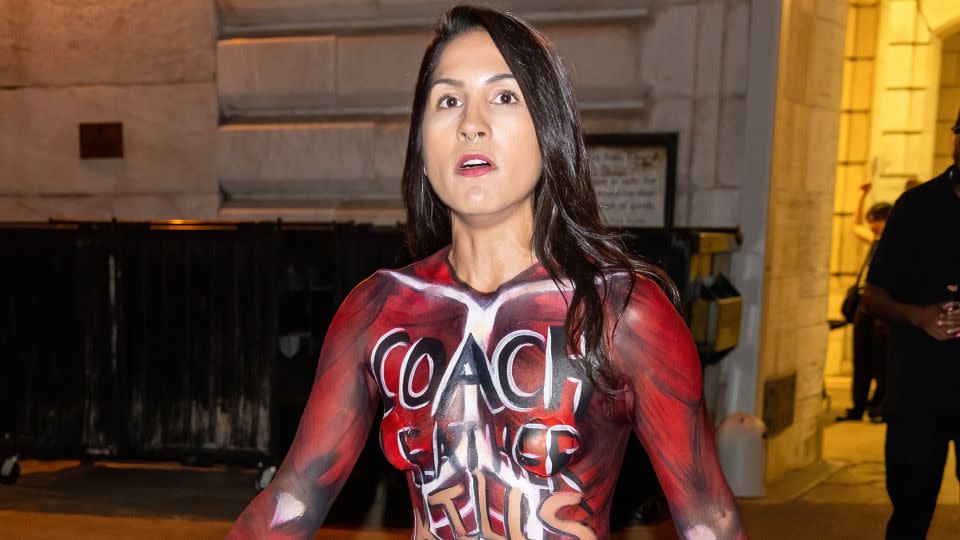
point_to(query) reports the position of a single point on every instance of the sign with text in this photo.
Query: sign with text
(634, 178)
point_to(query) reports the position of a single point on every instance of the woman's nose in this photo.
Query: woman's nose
(474, 126)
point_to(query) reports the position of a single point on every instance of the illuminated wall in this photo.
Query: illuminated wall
(949, 102)
(806, 128)
(901, 96)
(853, 169)
(908, 71)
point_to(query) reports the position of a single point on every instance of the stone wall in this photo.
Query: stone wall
(853, 170)
(793, 317)
(297, 109)
(949, 102)
(149, 65)
(315, 96)
(908, 71)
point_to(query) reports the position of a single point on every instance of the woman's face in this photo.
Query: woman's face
(479, 144)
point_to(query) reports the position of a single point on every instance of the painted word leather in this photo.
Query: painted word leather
(488, 413)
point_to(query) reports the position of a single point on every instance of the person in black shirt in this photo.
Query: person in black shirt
(912, 284)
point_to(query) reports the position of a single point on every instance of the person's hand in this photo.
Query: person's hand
(939, 321)
(866, 187)
(951, 308)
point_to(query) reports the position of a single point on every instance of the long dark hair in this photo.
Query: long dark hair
(568, 234)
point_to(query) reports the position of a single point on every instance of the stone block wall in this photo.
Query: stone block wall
(297, 109)
(149, 65)
(949, 102)
(907, 82)
(793, 316)
(853, 170)
(300, 84)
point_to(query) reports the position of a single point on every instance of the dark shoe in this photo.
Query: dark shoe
(876, 417)
(851, 414)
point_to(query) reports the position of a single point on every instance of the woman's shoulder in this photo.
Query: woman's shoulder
(415, 275)
(649, 338)
(636, 293)
(428, 269)
(641, 312)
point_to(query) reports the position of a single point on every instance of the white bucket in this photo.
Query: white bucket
(742, 452)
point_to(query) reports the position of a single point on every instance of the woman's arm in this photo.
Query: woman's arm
(860, 230)
(332, 432)
(658, 359)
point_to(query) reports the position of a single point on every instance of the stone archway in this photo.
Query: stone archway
(942, 16)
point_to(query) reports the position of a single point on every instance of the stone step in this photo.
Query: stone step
(373, 76)
(247, 18)
(348, 160)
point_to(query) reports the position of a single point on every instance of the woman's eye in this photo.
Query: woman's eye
(448, 102)
(507, 98)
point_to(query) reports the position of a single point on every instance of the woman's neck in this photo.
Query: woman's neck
(484, 257)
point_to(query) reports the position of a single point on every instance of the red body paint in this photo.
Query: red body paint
(499, 432)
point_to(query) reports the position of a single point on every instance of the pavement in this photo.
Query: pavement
(841, 497)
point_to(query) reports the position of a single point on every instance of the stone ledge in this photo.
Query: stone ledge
(296, 152)
(107, 206)
(257, 74)
(253, 117)
(376, 212)
(319, 190)
(336, 78)
(322, 163)
(313, 22)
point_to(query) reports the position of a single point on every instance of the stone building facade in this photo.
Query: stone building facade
(297, 110)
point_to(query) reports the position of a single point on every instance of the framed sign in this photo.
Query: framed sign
(635, 178)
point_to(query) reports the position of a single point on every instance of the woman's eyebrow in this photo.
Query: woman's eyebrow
(451, 82)
(500, 77)
(459, 84)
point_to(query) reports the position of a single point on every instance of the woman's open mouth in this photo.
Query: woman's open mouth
(474, 165)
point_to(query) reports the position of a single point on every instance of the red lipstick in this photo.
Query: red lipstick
(474, 165)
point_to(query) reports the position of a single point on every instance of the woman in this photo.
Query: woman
(513, 361)
(870, 335)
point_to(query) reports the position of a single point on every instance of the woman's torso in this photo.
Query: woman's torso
(500, 434)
